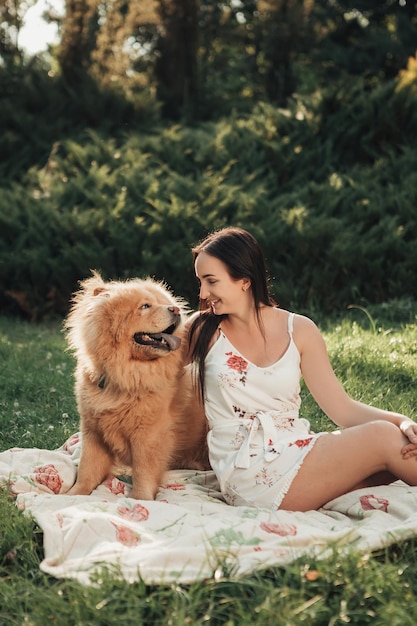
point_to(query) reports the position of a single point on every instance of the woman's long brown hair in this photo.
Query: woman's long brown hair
(243, 257)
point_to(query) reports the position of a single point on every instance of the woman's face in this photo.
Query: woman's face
(223, 294)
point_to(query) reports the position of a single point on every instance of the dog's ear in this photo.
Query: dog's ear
(94, 285)
(92, 302)
(99, 290)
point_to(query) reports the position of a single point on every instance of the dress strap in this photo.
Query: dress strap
(290, 324)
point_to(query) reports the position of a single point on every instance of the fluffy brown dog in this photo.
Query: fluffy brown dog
(135, 397)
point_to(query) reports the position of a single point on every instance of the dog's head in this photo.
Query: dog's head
(118, 323)
(152, 322)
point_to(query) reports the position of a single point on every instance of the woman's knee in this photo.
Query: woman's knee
(385, 434)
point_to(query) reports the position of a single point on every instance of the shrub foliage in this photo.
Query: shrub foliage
(331, 199)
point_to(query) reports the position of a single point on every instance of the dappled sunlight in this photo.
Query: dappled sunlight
(295, 217)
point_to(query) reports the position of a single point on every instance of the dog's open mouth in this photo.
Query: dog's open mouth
(161, 341)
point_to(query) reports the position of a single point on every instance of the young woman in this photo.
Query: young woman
(250, 356)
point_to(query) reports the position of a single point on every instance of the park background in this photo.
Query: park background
(148, 124)
(143, 126)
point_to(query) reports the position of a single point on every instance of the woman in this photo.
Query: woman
(250, 356)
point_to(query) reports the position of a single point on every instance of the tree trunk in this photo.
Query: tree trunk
(177, 68)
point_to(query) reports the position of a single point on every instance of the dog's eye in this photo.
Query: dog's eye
(145, 306)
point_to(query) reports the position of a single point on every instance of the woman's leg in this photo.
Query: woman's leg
(349, 459)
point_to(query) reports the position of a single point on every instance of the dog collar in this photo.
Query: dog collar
(102, 382)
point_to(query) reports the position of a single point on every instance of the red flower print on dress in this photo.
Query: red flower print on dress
(135, 513)
(49, 477)
(301, 443)
(371, 502)
(126, 535)
(237, 363)
(263, 478)
(241, 413)
(283, 530)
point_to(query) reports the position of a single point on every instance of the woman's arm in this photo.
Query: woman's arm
(329, 394)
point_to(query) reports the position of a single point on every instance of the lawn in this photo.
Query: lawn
(374, 353)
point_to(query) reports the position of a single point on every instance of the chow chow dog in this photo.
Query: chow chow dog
(138, 409)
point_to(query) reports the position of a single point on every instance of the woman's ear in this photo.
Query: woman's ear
(245, 284)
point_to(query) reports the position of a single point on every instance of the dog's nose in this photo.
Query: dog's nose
(174, 309)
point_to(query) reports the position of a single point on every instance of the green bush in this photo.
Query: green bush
(329, 189)
(39, 109)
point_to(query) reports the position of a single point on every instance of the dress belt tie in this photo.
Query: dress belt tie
(242, 459)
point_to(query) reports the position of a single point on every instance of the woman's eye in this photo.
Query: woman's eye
(145, 306)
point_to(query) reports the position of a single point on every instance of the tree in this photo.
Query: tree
(176, 68)
(282, 34)
(78, 41)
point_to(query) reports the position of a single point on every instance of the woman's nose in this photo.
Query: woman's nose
(203, 293)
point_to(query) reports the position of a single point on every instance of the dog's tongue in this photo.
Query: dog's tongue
(172, 341)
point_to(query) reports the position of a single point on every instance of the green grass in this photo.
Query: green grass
(374, 355)
(37, 406)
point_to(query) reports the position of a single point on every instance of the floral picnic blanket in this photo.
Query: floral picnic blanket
(188, 533)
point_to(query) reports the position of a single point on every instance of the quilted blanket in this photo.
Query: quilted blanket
(188, 533)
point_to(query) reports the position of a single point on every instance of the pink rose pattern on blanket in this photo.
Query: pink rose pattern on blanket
(135, 513)
(48, 476)
(372, 503)
(115, 485)
(283, 530)
(126, 535)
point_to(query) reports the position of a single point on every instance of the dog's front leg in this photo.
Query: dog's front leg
(95, 465)
(150, 462)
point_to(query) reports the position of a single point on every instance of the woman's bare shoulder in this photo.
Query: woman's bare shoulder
(304, 322)
(301, 323)
(306, 332)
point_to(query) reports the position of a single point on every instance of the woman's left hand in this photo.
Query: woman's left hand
(409, 429)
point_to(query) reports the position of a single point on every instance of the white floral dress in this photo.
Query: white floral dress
(257, 441)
